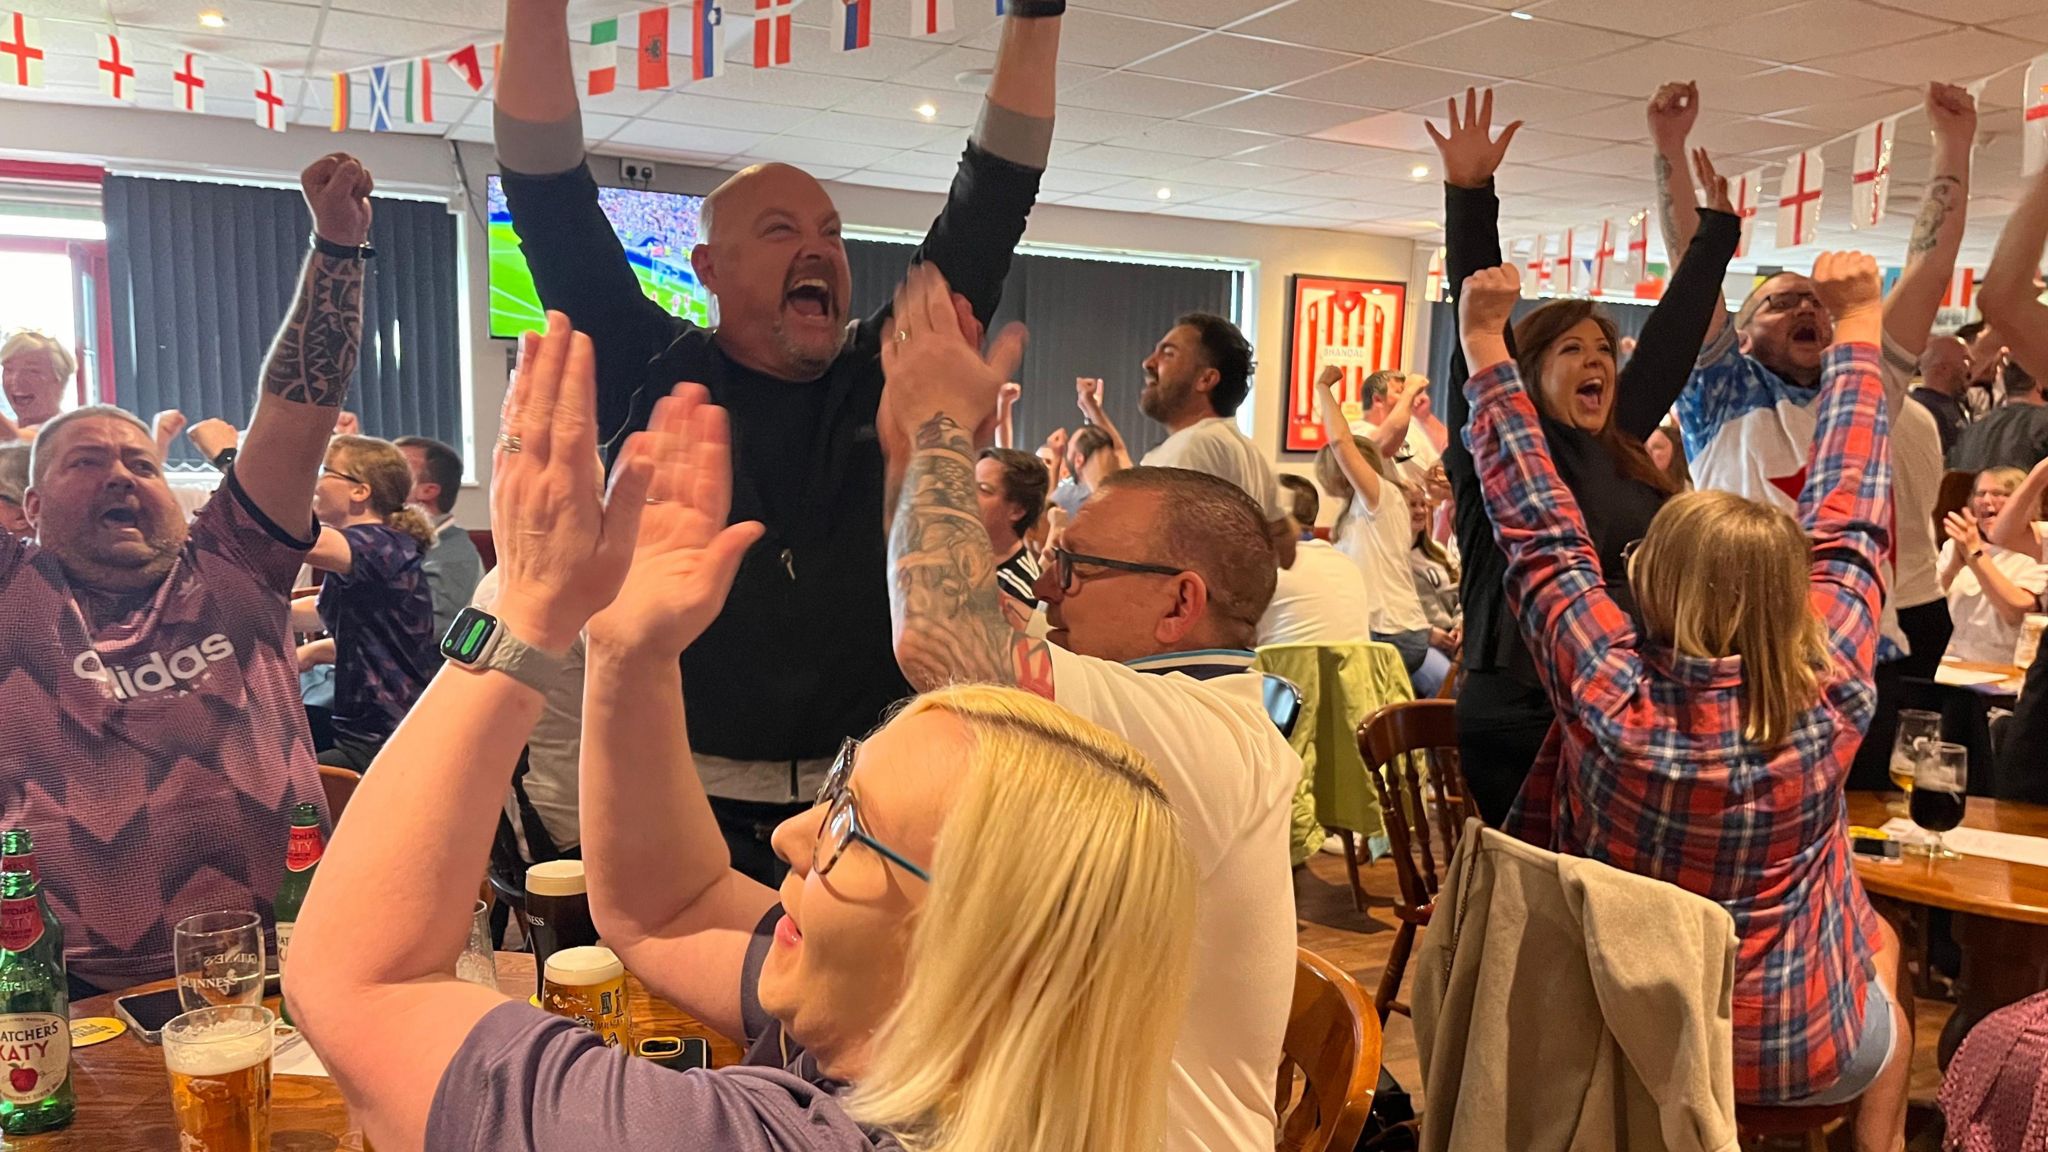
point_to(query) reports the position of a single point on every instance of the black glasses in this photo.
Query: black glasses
(343, 475)
(842, 820)
(1789, 301)
(1064, 561)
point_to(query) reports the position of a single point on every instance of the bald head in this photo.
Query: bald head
(773, 257)
(1945, 365)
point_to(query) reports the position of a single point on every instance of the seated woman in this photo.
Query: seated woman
(1436, 579)
(1708, 750)
(981, 941)
(374, 604)
(1990, 589)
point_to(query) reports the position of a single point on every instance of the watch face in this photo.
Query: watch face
(468, 635)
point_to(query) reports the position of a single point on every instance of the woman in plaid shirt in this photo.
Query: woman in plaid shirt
(1709, 749)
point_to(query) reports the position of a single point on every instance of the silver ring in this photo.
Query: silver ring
(652, 500)
(902, 334)
(509, 442)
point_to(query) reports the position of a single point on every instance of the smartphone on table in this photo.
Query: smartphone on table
(146, 1013)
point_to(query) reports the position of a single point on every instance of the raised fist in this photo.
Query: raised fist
(338, 191)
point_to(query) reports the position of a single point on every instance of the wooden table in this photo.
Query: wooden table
(2014, 677)
(2001, 908)
(124, 1095)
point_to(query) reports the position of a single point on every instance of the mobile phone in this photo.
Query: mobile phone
(679, 1053)
(146, 1013)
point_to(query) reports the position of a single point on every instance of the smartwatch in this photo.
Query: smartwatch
(223, 458)
(479, 641)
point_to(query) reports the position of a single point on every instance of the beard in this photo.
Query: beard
(102, 568)
(807, 359)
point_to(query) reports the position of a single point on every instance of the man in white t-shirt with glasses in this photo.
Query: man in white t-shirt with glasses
(1153, 598)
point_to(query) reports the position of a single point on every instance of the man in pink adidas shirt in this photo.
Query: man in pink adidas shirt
(156, 741)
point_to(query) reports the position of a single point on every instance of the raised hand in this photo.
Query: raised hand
(1488, 301)
(338, 191)
(1952, 113)
(348, 424)
(687, 556)
(1673, 111)
(930, 366)
(1470, 151)
(1088, 395)
(212, 437)
(168, 426)
(1715, 184)
(1962, 528)
(563, 544)
(1848, 287)
(1330, 376)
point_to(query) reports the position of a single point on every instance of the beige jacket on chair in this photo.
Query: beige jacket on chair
(1562, 1005)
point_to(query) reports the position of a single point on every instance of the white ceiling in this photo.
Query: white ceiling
(1301, 113)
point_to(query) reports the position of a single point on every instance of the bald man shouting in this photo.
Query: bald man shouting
(801, 657)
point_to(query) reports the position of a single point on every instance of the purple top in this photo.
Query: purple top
(525, 1079)
(155, 742)
(381, 615)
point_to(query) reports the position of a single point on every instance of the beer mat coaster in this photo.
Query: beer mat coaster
(295, 1057)
(95, 1030)
(534, 999)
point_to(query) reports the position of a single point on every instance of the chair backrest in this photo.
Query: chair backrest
(1330, 1061)
(339, 784)
(1283, 704)
(1402, 744)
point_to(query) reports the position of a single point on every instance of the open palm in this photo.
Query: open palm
(686, 556)
(1469, 149)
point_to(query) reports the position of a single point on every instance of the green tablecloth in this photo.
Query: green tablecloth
(1341, 686)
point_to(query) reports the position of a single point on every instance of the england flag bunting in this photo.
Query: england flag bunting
(1603, 257)
(1871, 177)
(2034, 125)
(21, 51)
(771, 33)
(1564, 276)
(1799, 199)
(1433, 283)
(1743, 191)
(117, 75)
(270, 113)
(190, 81)
(931, 17)
(1638, 267)
(707, 39)
(1536, 267)
(856, 26)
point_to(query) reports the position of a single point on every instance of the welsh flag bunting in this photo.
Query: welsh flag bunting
(468, 67)
(604, 57)
(2034, 101)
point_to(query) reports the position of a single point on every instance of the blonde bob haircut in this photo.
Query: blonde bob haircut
(1048, 966)
(1719, 576)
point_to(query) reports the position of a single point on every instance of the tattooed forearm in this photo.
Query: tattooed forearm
(948, 613)
(1943, 195)
(1667, 210)
(314, 355)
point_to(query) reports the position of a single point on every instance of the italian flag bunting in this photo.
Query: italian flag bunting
(604, 57)
(419, 92)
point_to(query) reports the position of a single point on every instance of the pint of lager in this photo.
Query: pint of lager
(588, 985)
(219, 1061)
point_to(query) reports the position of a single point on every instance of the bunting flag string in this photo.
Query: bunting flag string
(21, 51)
(270, 113)
(707, 39)
(856, 26)
(117, 76)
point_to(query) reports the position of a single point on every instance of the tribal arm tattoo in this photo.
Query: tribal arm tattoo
(315, 352)
(950, 623)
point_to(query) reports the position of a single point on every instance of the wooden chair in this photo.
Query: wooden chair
(1401, 744)
(1329, 1063)
(1757, 1126)
(339, 784)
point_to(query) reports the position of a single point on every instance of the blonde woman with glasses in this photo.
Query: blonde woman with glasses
(981, 944)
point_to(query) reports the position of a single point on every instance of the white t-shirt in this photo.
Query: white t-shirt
(1217, 448)
(1916, 484)
(1421, 454)
(1378, 543)
(1321, 600)
(1980, 635)
(1231, 778)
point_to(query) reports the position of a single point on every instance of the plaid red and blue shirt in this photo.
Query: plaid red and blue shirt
(1648, 769)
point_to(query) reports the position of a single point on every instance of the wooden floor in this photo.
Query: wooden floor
(1332, 927)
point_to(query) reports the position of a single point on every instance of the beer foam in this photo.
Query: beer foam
(582, 967)
(216, 1049)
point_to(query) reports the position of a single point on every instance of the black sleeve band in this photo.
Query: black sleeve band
(1037, 9)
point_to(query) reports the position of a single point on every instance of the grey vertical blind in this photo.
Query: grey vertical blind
(1087, 318)
(201, 276)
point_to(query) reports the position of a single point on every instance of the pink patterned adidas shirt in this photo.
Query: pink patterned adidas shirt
(155, 743)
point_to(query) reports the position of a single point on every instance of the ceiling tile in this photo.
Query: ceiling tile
(1301, 220)
(927, 184)
(1113, 204)
(886, 58)
(1184, 191)
(914, 163)
(1335, 24)
(1147, 95)
(386, 36)
(1386, 84)
(1533, 103)
(1295, 152)
(739, 115)
(1260, 200)
(1196, 13)
(673, 139)
(1328, 185)
(1398, 130)
(953, 109)
(1516, 179)
(1780, 89)
(1066, 181)
(786, 86)
(1121, 161)
(1848, 115)
(1641, 19)
(1189, 139)
(1975, 11)
(247, 20)
(857, 129)
(1852, 26)
(1504, 46)
(1955, 57)
(1535, 146)
(1283, 114)
(1234, 174)
(1209, 212)
(487, 15)
(1751, 136)
(1246, 62)
(1090, 126)
(1636, 72)
(952, 144)
(813, 154)
(1106, 41)
(2033, 26)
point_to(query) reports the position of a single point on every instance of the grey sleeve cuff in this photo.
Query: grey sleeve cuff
(537, 149)
(1020, 139)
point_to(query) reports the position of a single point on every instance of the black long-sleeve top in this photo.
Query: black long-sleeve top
(1617, 507)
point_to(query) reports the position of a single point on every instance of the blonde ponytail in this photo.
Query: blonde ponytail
(413, 523)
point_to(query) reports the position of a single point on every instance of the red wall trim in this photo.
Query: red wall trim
(55, 173)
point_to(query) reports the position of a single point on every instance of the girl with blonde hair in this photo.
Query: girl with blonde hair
(1708, 749)
(374, 603)
(1990, 589)
(981, 945)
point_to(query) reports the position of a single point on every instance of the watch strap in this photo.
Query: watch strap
(224, 457)
(342, 251)
(1036, 9)
(504, 652)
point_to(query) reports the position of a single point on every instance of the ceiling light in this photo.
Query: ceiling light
(928, 110)
(1166, 193)
(212, 19)
(1521, 15)
(1420, 171)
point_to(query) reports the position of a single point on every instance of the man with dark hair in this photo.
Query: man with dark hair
(1153, 598)
(156, 742)
(1304, 503)
(1010, 487)
(1091, 455)
(1195, 379)
(453, 565)
(2014, 435)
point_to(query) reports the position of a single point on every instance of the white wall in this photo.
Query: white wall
(151, 141)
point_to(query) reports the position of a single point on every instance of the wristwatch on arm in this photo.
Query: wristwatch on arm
(480, 642)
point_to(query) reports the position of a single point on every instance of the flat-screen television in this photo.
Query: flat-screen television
(658, 230)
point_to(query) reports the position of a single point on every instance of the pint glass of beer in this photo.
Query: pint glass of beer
(588, 985)
(219, 1061)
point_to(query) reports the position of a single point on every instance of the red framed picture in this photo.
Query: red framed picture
(1356, 324)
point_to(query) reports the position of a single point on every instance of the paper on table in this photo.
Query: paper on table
(295, 1057)
(1954, 677)
(1978, 842)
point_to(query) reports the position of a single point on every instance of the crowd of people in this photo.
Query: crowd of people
(1679, 593)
